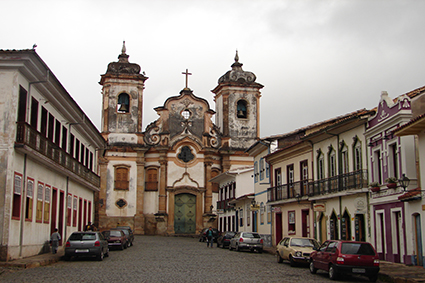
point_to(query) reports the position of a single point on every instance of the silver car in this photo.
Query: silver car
(85, 244)
(246, 241)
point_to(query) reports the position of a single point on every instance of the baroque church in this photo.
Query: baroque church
(156, 180)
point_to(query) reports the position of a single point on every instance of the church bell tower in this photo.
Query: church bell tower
(122, 106)
(237, 99)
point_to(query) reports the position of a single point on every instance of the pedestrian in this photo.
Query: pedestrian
(210, 237)
(54, 241)
(89, 227)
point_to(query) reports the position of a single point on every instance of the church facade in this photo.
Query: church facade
(156, 180)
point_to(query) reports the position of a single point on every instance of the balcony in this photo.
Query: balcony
(224, 204)
(353, 180)
(288, 191)
(27, 137)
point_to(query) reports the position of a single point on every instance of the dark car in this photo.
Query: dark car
(128, 233)
(203, 235)
(345, 257)
(115, 238)
(224, 239)
(85, 244)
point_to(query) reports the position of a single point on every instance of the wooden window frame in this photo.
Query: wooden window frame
(47, 201)
(150, 185)
(40, 203)
(123, 185)
(29, 200)
(74, 210)
(17, 196)
(69, 209)
(291, 222)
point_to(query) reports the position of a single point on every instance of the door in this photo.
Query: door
(185, 214)
(254, 221)
(418, 238)
(305, 223)
(278, 231)
(54, 210)
(360, 228)
(61, 214)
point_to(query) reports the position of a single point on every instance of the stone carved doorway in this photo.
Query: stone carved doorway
(185, 214)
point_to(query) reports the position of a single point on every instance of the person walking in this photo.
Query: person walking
(54, 241)
(89, 227)
(210, 237)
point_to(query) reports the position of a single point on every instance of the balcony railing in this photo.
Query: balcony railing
(30, 137)
(287, 191)
(224, 204)
(353, 180)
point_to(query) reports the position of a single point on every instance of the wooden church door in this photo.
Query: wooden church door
(185, 214)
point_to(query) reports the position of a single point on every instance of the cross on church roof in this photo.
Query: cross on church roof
(187, 77)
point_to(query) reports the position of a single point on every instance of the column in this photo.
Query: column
(139, 219)
(162, 182)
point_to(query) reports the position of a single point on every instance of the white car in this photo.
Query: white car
(246, 241)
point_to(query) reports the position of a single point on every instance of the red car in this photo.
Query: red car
(116, 238)
(346, 257)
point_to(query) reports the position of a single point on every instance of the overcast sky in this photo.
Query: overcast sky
(316, 59)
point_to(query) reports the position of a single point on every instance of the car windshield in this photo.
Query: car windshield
(82, 236)
(297, 242)
(125, 232)
(115, 233)
(251, 235)
(357, 249)
(230, 234)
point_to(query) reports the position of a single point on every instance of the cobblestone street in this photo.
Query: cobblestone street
(171, 259)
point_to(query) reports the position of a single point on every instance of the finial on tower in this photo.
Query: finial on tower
(237, 56)
(123, 50)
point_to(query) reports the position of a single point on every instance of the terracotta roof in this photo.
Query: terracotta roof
(411, 122)
(410, 195)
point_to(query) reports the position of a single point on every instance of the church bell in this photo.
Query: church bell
(123, 108)
(240, 114)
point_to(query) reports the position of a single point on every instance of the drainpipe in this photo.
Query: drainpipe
(23, 198)
(64, 236)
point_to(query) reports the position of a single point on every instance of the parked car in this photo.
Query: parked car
(345, 257)
(128, 233)
(224, 239)
(295, 249)
(246, 241)
(203, 235)
(115, 238)
(85, 244)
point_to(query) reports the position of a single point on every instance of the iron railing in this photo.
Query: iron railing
(224, 204)
(353, 180)
(26, 135)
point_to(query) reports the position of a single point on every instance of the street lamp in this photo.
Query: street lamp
(404, 182)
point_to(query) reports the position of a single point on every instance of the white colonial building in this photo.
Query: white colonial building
(48, 156)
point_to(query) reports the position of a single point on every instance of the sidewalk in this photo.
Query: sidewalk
(389, 272)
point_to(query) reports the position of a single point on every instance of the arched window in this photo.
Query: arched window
(151, 183)
(242, 109)
(123, 105)
(122, 177)
(357, 154)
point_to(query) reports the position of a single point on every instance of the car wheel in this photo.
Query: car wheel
(237, 248)
(125, 245)
(122, 247)
(279, 258)
(218, 245)
(230, 247)
(67, 257)
(128, 244)
(260, 251)
(373, 278)
(292, 263)
(313, 270)
(107, 252)
(333, 275)
(100, 256)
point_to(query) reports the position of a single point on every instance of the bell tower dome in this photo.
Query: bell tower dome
(237, 99)
(122, 106)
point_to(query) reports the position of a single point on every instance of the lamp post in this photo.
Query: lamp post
(404, 182)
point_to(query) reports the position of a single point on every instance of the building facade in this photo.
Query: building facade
(157, 180)
(48, 156)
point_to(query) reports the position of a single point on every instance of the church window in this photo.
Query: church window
(122, 177)
(242, 109)
(185, 154)
(121, 203)
(215, 187)
(123, 103)
(186, 114)
(152, 179)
